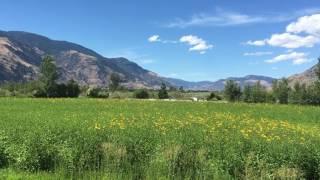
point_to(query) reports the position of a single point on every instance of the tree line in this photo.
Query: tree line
(47, 86)
(281, 92)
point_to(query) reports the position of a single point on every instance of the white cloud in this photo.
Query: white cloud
(154, 38)
(306, 24)
(305, 32)
(292, 41)
(196, 43)
(257, 43)
(229, 18)
(257, 53)
(296, 58)
(219, 19)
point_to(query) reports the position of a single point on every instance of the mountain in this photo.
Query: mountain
(21, 54)
(219, 85)
(307, 77)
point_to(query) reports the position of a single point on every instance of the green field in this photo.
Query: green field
(129, 139)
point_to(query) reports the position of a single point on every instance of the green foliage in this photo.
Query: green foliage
(48, 86)
(19, 89)
(232, 91)
(181, 89)
(72, 89)
(318, 69)
(96, 139)
(115, 79)
(141, 94)
(281, 90)
(299, 94)
(48, 77)
(254, 94)
(247, 94)
(259, 94)
(163, 93)
(214, 96)
(97, 93)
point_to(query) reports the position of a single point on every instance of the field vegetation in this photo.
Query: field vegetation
(141, 139)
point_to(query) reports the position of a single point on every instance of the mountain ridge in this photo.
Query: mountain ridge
(21, 54)
(219, 84)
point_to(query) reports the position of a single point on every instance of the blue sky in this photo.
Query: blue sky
(193, 40)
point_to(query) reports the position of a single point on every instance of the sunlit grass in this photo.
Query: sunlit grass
(145, 139)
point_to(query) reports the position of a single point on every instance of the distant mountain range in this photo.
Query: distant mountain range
(219, 85)
(21, 54)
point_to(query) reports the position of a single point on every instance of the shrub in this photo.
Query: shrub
(141, 94)
(39, 93)
(97, 93)
(61, 90)
(73, 89)
(213, 96)
(163, 93)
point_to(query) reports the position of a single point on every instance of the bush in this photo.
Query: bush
(4, 93)
(163, 93)
(39, 93)
(97, 93)
(73, 89)
(141, 94)
(213, 96)
(61, 90)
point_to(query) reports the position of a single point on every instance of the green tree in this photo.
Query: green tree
(213, 96)
(72, 88)
(163, 93)
(281, 90)
(259, 94)
(299, 94)
(48, 77)
(141, 94)
(115, 79)
(313, 94)
(247, 94)
(181, 89)
(232, 91)
(318, 69)
(313, 90)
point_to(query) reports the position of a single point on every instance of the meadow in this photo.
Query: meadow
(136, 139)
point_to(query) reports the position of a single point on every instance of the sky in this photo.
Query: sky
(194, 40)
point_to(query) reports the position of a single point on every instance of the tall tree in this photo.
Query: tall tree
(281, 90)
(49, 75)
(259, 94)
(73, 89)
(318, 69)
(295, 94)
(163, 93)
(232, 91)
(115, 81)
(247, 94)
(181, 89)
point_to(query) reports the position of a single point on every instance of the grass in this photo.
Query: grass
(129, 139)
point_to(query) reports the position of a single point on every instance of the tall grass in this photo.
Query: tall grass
(121, 139)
